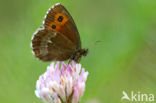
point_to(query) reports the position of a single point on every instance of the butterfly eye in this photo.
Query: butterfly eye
(53, 26)
(60, 18)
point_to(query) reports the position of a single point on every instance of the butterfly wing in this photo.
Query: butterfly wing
(58, 19)
(48, 45)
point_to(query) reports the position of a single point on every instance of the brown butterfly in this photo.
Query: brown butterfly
(58, 39)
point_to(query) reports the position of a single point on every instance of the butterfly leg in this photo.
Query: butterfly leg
(69, 61)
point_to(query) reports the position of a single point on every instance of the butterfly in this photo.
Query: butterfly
(58, 39)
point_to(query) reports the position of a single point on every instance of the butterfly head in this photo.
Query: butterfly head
(84, 52)
(78, 54)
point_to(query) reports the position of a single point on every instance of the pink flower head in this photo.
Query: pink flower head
(65, 84)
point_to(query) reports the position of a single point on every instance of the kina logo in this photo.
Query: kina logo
(138, 96)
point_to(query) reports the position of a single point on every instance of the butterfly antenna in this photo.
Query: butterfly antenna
(94, 43)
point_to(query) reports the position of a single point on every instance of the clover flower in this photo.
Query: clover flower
(62, 84)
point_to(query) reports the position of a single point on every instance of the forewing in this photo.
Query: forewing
(58, 19)
(49, 45)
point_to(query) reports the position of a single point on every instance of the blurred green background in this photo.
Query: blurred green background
(125, 59)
